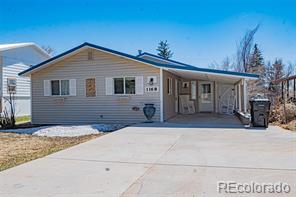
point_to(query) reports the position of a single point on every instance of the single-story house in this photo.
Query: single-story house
(15, 58)
(90, 83)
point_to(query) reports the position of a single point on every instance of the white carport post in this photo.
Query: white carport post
(239, 96)
(161, 93)
(245, 95)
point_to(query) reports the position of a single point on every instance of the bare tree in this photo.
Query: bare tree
(214, 65)
(274, 72)
(226, 64)
(244, 50)
(48, 49)
(290, 69)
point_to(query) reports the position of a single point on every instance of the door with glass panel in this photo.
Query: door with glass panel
(206, 96)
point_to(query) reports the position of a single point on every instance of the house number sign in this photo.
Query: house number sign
(151, 89)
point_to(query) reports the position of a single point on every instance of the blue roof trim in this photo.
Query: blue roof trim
(214, 71)
(169, 60)
(188, 68)
(194, 68)
(93, 46)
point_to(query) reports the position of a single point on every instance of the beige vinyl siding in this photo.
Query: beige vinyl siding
(168, 99)
(102, 107)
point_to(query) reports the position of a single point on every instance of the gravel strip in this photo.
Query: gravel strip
(67, 130)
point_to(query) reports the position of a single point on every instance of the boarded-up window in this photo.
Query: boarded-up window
(90, 87)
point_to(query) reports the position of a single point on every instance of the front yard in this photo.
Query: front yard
(16, 149)
(22, 119)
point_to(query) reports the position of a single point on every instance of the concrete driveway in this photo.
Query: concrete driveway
(160, 160)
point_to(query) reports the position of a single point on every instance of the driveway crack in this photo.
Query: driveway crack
(150, 167)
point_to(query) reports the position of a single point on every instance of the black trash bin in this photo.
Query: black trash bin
(260, 112)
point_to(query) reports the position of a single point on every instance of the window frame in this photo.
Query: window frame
(124, 85)
(7, 85)
(60, 88)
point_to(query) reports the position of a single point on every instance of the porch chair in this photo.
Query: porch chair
(227, 101)
(187, 106)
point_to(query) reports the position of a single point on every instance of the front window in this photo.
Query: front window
(65, 87)
(130, 85)
(60, 87)
(55, 87)
(125, 85)
(118, 86)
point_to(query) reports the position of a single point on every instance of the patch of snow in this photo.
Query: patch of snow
(67, 130)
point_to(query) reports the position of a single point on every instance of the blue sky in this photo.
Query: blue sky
(199, 32)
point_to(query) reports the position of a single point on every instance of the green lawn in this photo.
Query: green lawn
(22, 119)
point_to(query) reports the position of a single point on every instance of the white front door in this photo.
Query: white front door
(176, 96)
(206, 96)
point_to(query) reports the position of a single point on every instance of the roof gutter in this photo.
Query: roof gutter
(199, 70)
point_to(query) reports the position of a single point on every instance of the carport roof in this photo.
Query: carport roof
(176, 68)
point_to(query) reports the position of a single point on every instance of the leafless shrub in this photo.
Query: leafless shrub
(283, 113)
(7, 118)
(289, 113)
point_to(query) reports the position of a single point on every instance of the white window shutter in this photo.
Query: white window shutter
(109, 85)
(46, 86)
(139, 85)
(72, 87)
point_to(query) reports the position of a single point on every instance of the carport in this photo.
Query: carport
(201, 95)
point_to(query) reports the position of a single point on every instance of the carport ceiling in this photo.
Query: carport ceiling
(205, 76)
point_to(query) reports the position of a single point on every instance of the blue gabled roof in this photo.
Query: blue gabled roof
(194, 68)
(168, 66)
(214, 71)
(79, 47)
(169, 60)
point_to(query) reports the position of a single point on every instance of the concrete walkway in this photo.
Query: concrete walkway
(207, 120)
(159, 161)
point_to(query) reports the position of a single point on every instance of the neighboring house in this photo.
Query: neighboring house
(15, 58)
(90, 84)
